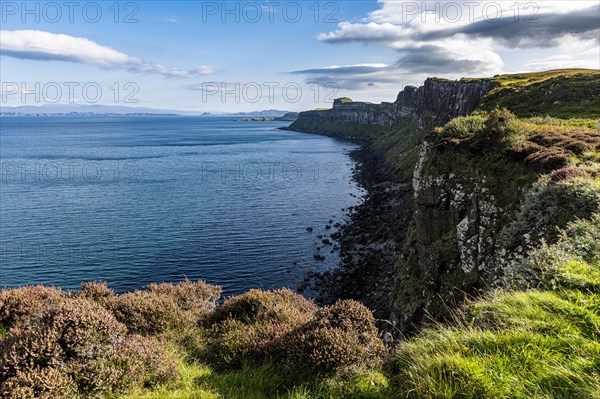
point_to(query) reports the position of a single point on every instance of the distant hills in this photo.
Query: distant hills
(118, 110)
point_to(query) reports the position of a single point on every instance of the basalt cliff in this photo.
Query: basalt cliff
(436, 102)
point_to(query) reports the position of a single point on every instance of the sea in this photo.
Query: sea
(136, 200)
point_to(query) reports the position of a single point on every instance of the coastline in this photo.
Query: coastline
(370, 243)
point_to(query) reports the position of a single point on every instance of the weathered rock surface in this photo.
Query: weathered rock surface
(434, 103)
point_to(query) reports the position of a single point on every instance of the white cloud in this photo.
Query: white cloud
(41, 45)
(454, 39)
(564, 61)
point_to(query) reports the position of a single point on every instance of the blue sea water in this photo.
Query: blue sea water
(132, 201)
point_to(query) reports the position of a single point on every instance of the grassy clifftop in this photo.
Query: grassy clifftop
(562, 93)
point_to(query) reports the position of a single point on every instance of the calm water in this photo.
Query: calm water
(137, 200)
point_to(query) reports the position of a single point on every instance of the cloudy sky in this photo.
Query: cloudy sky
(242, 56)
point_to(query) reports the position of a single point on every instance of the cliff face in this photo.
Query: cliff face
(449, 242)
(434, 103)
(454, 246)
(439, 101)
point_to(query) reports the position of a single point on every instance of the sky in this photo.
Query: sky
(237, 56)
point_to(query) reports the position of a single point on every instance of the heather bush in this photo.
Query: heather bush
(155, 362)
(501, 129)
(277, 306)
(243, 328)
(577, 140)
(234, 343)
(60, 332)
(96, 377)
(551, 205)
(577, 146)
(526, 148)
(95, 291)
(197, 297)
(29, 349)
(163, 307)
(549, 159)
(39, 383)
(462, 127)
(568, 173)
(135, 361)
(61, 345)
(18, 304)
(338, 336)
(145, 312)
(85, 327)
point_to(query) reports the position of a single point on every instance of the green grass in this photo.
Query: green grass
(400, 148)
(564, 93)
(525, 79)
(572, 122)
(518, 344)
(201, 382)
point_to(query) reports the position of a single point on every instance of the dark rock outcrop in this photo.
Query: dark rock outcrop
(434, 103)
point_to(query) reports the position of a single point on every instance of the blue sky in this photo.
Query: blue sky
(181, 55)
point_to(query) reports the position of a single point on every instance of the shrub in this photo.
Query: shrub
(233, 343)
(567, 264)
(550, 206)
(526, 148)
(549, 159)
(39, 383)
(24, 350)
(163, 307)
(577, 140)
(96, 291)
(338, 336)
(151, 362)
(75, 347)
(578, 147)
(136, 361)
(463, 127)
(568, 173)
(18, 304)
(145, 312)
(67, 330)
(501, 129)
(191, 296)
(278, 306)
(98, 376)
(84, 327)
(244, 327)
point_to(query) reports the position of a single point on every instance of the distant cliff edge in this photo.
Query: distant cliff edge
(436, 102)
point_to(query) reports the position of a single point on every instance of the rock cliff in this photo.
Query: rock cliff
(434, 204)
(434, 103)
(454, 247)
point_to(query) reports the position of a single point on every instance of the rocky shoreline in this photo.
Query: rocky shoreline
(371, 241)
